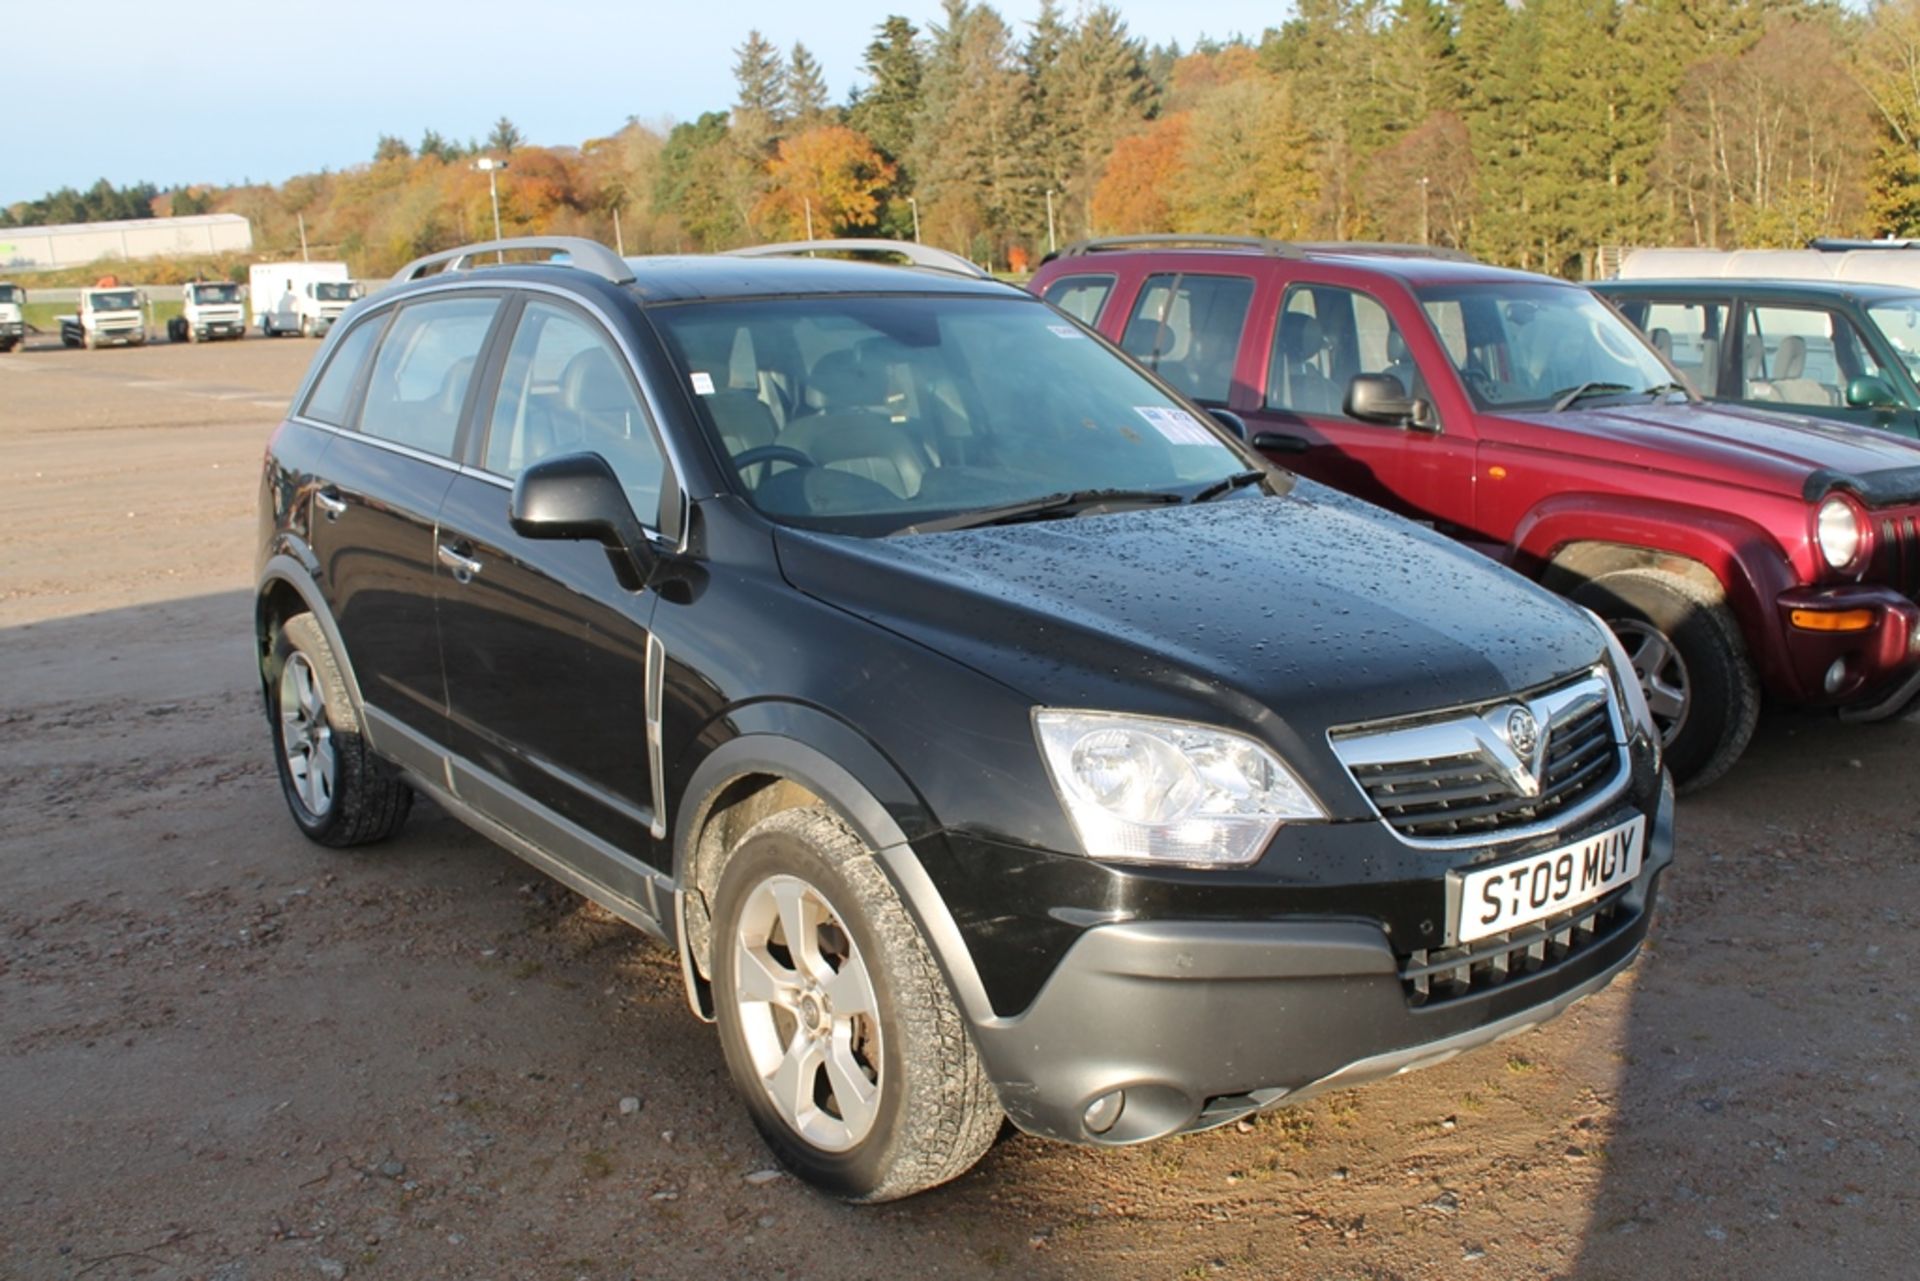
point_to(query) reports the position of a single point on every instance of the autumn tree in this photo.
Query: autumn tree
(1249, 164)
(824, 181)
(1135, 193)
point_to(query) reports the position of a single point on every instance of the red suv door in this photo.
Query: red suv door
(1323, 335)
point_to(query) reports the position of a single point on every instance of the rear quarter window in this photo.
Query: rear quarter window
(330, 400)
(1081, 297)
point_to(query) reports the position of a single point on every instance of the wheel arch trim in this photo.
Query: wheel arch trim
(286, 569)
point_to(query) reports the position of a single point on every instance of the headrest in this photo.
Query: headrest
(591, 382)
(843, 378)
(1791, 360)
(1662, 340)
(1300, 336)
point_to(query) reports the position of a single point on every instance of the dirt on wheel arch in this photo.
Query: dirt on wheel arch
(227, 1053)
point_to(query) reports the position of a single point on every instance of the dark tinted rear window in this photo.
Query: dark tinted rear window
(328, 401)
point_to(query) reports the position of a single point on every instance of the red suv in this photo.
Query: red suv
(1733, 550)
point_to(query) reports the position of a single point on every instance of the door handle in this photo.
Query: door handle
(330, 503)
(465, 568)
(1280, 442)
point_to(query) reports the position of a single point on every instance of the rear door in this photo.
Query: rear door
(411, 372)
(547, 656)
(1693, 333)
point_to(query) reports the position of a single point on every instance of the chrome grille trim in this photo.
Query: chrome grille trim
(1455, 766)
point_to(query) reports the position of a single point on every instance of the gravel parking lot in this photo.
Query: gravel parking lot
(227, 1053)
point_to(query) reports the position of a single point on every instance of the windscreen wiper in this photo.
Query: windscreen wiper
(1076, 502)
(1587, 389)
(1667, 389)
(1226, 485)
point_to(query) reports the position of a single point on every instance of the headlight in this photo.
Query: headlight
(1838, 530)
(1143, 790)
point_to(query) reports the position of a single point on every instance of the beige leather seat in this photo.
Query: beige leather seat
(1790, 382)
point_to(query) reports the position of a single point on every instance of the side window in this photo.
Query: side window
(1689, 335)
(1187, 329)
(1081, 297)
(421, 375)
(1326, 336)
(566, 389)
(1801, 356)
(327, 402)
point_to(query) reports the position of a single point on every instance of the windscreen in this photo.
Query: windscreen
(1525, 346)
(332, 291)
(216, 293)
(1899, 324)
(867, 415)
(9, 293)
(115, 300)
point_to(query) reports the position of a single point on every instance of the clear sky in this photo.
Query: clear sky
(184, 91)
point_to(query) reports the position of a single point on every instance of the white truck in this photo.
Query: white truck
(13, 316)
(298, 297)
(109, 316)
(208, 309)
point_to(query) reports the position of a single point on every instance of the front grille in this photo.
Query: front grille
(1897, 562)
(1439, 975)
(1465, 795)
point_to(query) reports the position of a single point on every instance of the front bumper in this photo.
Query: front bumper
(1201, 1022)
(1869, 661)
(12, 329)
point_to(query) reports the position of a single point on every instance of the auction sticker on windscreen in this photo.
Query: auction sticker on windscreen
(1496, 899)
(1177, 425)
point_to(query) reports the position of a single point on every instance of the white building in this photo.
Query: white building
(78, 244)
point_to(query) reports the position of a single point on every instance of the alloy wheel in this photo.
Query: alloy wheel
(306, 736)
(1662, 672)
(807, 1013)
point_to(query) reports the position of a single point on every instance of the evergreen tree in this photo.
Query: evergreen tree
(505, 137)
(390, 147)
(807, 95)
(1100, 91)
(885, 111)
(760, 105)
(980, 191)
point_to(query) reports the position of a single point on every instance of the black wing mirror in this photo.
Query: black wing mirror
(1380, 398)
(577, 496)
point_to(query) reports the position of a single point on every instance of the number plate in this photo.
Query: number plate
(1494, 900)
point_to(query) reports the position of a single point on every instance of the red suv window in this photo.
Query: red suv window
(1187, 329)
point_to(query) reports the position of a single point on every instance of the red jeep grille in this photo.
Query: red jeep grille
(1896, 561)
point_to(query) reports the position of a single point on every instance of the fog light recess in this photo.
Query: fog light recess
(1836, 676)
(1104, 1112)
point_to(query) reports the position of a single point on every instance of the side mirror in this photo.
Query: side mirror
(1871, 392)
(1231, 421)
(577, 496)
(1380, 398)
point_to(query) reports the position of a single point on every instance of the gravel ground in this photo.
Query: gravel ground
(228, 1054)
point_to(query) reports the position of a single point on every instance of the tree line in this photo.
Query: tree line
(1530, 134)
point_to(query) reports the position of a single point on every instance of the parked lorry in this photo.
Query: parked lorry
(109, 316)
(208, 309)
(298, 297)
(13, 316)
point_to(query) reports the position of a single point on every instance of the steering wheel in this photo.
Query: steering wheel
(1481, 384)
(771, 454)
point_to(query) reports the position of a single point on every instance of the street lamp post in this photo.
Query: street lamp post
(489, 166)
(1051, 246)
(915, 206)
(1423, 210)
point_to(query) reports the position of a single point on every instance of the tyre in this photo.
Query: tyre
(339, 792)
(88, 341)
(837, 1026)
(1686, 649)
(177, 330)
(306, 326)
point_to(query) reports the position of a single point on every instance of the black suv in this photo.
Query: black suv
(991, 732)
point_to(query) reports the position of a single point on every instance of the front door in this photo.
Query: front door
(546, 655)
(1324, 337)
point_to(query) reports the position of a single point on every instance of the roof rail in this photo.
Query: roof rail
(1840, 244)
(588, 255)
(1275, 248)
(1177, 240)
(917, 254)
(1386, 249)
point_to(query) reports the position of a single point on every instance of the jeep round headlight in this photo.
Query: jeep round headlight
(1840, 530)
(1145, 790)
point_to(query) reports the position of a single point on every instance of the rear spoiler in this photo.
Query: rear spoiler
(1892, 487)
